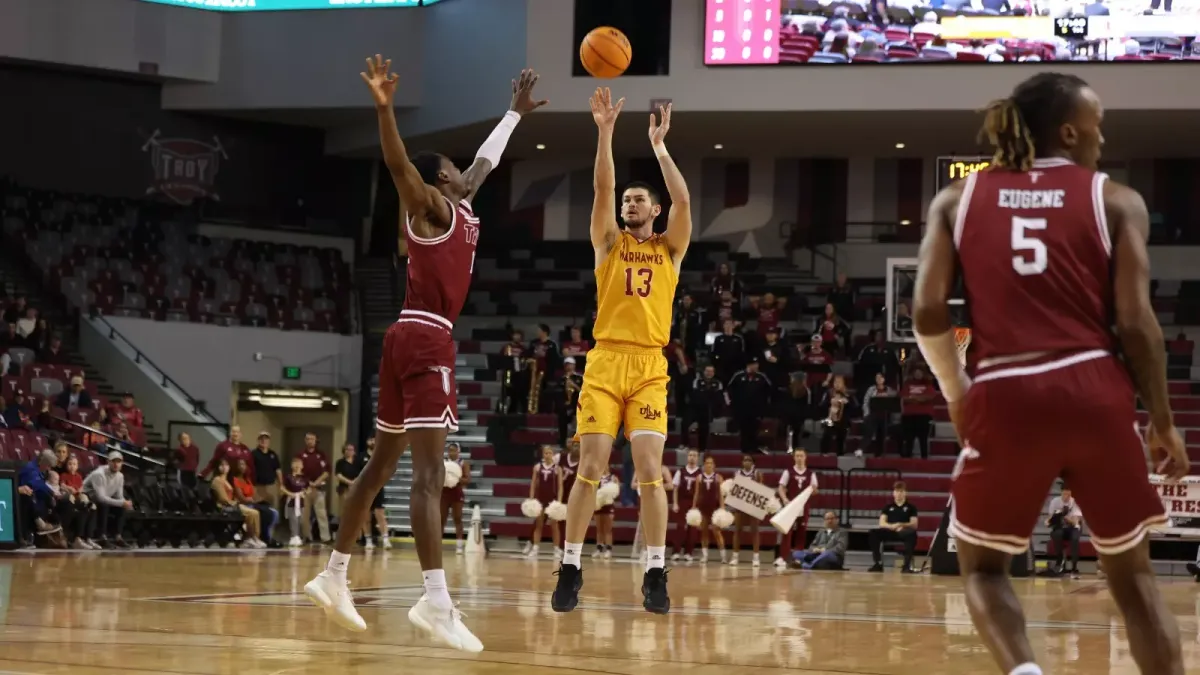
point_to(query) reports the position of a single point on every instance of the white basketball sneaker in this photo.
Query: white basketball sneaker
(733, 560)
(444, 626)
(756, 562)
(333, 596)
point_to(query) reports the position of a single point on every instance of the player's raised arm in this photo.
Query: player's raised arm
(420, 199)
(1138, 330)
(679, 220)
(489, 153)
(604, 208)
(936, 269)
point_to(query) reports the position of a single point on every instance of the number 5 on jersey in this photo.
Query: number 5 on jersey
(1029, 252)
(640, 286)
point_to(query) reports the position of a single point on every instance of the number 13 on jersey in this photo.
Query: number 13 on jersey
(638, 282)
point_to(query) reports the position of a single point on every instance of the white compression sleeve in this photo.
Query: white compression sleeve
(941, 353)
(494, 146)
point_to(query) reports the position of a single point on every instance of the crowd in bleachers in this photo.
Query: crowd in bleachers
(845, 33)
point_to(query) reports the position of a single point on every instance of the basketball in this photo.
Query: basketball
(605, 52)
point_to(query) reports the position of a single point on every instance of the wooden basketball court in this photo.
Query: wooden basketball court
(245, 614)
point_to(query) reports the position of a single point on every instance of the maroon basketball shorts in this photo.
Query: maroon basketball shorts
(1027, 425)
(416, 378)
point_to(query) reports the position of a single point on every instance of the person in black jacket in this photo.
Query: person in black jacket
(689, 325)
(876, 357)
(795, 409)
(749, 396)
(728, 352)
(707, 396)
(75, 397)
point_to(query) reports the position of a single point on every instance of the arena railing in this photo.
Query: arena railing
(126, 448)
(851, 489)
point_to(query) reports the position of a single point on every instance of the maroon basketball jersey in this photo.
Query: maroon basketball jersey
(797, 481)
(439, 268)
(547, 483)
(710, 492)
(569, 470)
(687, 482)
(1034, 249)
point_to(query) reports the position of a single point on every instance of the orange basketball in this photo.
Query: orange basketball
(605, 52)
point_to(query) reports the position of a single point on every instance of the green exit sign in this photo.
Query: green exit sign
(291, 372)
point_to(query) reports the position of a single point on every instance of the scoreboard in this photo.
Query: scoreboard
(950, 169)
(289, 5)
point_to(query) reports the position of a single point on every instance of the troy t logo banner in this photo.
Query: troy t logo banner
(185, 169)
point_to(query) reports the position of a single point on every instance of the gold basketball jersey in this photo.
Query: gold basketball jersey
(635, 287)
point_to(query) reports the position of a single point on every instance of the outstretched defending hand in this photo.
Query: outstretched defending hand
(381, 82)
(603, 110)
(660, 127)
(522, 101)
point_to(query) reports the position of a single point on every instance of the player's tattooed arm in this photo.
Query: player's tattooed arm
(604, 207)
(679, 220)
(489, 153)
(421, 200)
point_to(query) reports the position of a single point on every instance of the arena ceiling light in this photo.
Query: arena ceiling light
(541, 146)
(288, 402)
(718, 146)
(899, 146)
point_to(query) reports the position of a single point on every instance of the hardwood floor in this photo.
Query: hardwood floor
(245, 614)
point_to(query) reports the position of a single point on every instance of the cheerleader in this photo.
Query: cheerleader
(546, 486)
(708, 498)
(604, 519)
(569, 463)
(792, 482)
(454, 498)
(684, 489)
(740, 519)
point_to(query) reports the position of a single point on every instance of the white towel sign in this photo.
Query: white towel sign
(749, 497)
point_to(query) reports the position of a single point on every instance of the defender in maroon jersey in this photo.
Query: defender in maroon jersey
(417, 403)
(1051, 254)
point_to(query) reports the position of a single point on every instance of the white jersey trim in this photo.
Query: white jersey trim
(1038, 369)
(964, 202)
(418, 316)
(1098, 180)
(429, 241)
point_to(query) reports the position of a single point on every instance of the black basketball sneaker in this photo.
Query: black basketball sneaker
(566, 593)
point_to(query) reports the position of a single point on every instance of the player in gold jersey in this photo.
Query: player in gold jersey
(626, 379)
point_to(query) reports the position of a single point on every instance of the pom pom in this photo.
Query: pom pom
(773, 506)
(556, 511)
(726, 487)
(722, 518)
(453, 474)
(532, 508)
(694, 518)
(607, 495)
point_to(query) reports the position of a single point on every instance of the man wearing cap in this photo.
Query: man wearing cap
(568, 397)
(105, 486)
(266, 470)
(231, 450)
(75, 397)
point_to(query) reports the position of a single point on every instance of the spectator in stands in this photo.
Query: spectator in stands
(27, 324)
(295, 487)
(902, 321)
(8, 338)
(37, 500)
(728, 351)
(577, 348)
(62, 453)
(877, 414)
(749, 397)
(795, 409)
(15, 311)
(37, 339)
(127, 412)
(1065, 522)
(225, 498)
(93, 439)
(105, 486)
(122, 440)
(516, 375)
(869, 49)
(545, 352)
(243, 493)
(841, 14)
(75, 397)
(566, 397)
(53, 354)
(1096, 8)
(232, 450)
(688, 324)
(316, 470)
(828, 550)
(72, 485)
(186, 460)
(377, 510)
(776, 361)
(877, 357)
(708, 394)
(816, 363)
(267, 471)
(839, 406)
(679, 370)
(770, 312)
(928, 25)
(840, 44)
(834, 332)
(843, 297)
(726, 282)
(16, 413)
(725, 309)
(897, 522)
(917, 400)
(345, 471)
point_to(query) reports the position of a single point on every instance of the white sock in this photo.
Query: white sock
(338, 563)
(571, 553)
(1026, 669)
(435, 589)
(656, 557)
